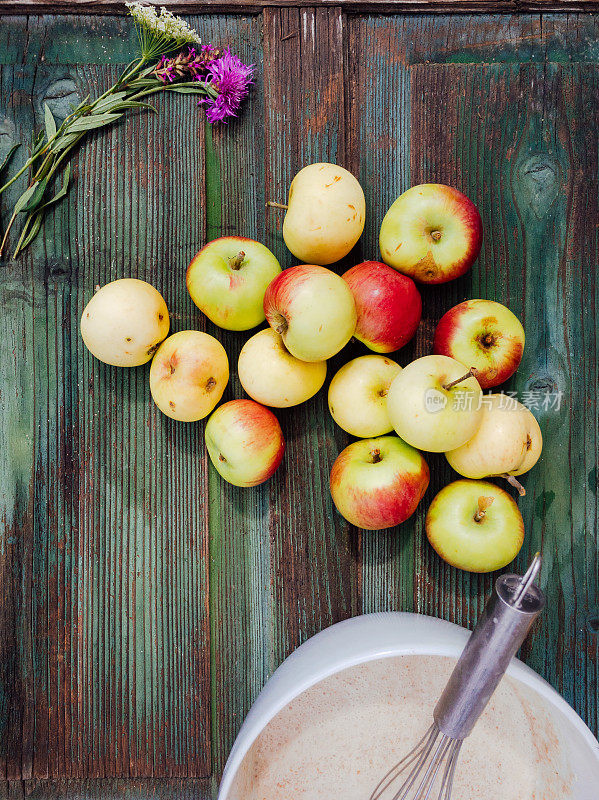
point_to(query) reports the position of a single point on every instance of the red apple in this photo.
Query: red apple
(245, 442)
(482, 334)
(388, 304)
(432, 233)
(378, 483)
(313, 309)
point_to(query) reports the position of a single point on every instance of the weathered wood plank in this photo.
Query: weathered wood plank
(239, 543)
(104, 789)
(511, 137)
(243, 7)
(314, 568)
(113, 548)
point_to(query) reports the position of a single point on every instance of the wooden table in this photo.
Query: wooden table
(144, 602)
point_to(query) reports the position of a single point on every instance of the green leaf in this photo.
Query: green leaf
(61, 192)
(34, 224)
(186, 89)
(64, 141)
(134, 104)
(49, 122)
(35, 198)
(24, 198)
(92, 121)
(8, 156)
(108, 102)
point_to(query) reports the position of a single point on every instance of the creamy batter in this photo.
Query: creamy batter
(339, 738)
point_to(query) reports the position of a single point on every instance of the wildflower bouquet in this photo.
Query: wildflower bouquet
(172, 59)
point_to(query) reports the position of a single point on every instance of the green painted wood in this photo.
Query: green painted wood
(143, 602)
(110, 618)
(516, 137)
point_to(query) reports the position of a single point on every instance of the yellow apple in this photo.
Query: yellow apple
(358, 395)
(326, 213)
(124, 322)
(272, 376)
(433, 405)
(188, 375)
(508, 442)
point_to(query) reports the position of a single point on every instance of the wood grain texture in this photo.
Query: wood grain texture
(314, 572)
(373, 6)
(144, 602)
(107, 671)
(512, 138)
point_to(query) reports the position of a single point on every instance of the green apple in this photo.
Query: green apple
(378, 483)
(313, 309)
(434, 404)
(475, 525)
(227, 280)
(124, 322)
(245, 442)
(272, 376)
(189, 374)
(358, 395)
(508, 442)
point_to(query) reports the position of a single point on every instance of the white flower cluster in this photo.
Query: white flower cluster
(163, 24)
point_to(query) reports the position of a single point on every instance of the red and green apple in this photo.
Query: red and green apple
(378, 483)
(313, 309)
(432, 232)
(245, 442)
(483, 334)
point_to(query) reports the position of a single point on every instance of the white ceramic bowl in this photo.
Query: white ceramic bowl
(375, 636)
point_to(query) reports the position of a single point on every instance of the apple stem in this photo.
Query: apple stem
(376, 455)
(513, 481)
(472, 373)
(272, 204)
(483, 505)
(237, 261)
(436, 236)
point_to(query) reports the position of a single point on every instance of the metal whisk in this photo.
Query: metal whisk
(428, 770)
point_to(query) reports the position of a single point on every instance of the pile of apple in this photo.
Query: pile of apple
(431, 234)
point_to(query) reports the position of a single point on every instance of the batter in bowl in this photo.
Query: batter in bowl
(338, 739)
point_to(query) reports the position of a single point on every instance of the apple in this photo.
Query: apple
(508, 442)
(272, 376)
(245, 442)
(325, 214)
(358, 395)
(434, 404)
(388, 304)
(124, 322)
(432, 233)
(378, 483)
(313, 309)
(475, 525)
(227, 280)
(486, 335)
(534, 443)
(188, 375)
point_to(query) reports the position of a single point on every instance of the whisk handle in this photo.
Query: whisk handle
(500, 631)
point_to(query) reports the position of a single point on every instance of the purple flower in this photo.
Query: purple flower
(231, 78)
(186, 65)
